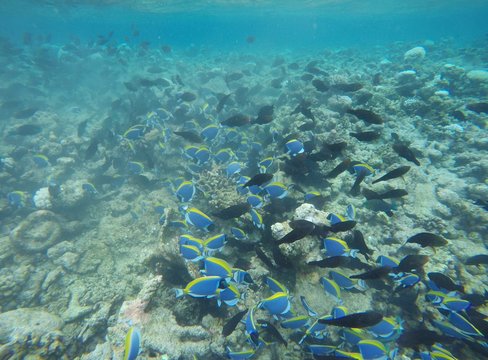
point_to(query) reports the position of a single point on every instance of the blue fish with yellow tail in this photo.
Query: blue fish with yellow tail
(89, 188)
(134, 132)
(202, 155)
(191, 253)
(251, 328)
(217, 267)
(276, 304)
(223, 156)
(232, 169)
(275, 286)
(406, 281)
(41, 160)
(135, 167)
(388, 328)
(240, 355)
(209, 132)
(331, 287)
(307, 307)
(373, 350)
(257, 219)
(185, 191)
(229, 296)
(255, 201)
(361, 170)
(294, 147)
(386, 261)
(339, 311)
(276, 190)
(132, 344)
(215, 243)
(319, 350)
(344, 281)
(353, 336)
(296, 322)
(265, 164)
(188, 239)
(198, 219)
(337, 247)
(203, 287)
(238, 233)
(241, 276)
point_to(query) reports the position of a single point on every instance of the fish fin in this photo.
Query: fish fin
(179, 293)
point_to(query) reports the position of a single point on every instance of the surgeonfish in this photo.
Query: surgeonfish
(132, 344)
(205, 286)
(198, 219)
(276, 304)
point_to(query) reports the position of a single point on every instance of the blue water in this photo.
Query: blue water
(353, 24)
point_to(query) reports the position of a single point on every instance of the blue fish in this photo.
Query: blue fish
(383, 260)
(205, 286)
(185, 191)
(217, 267)
(265, 164)
(229, 296)
(275, 286)
(257, 219)
(343, 280)
(363, 169)
(209, 132)
(311, 195)
(307, 307)
(224, 156)
(320, 350)
(255, 201)
(132, 344)
(331, 287)
(202, 155)
(17, 198)
(407, 281)
(191, 253)
(296, 322)
(198, 219)
(232, 169)
(294, 147)
(337, 247)
(276, 304)
(251, 328)
(276, 190)
(241, 276)
(41, 160)
(387, 328)
(372, 350)
(215, 243)
(238, 233)
(353, 336)
(338, 311)
(135, 167)
(188, 239)
(190, 151)
(89, 188)
(134, 132)
(240, 355)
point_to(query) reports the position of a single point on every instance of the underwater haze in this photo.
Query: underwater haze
(243, 179)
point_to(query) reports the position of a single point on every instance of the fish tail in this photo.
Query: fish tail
(179, 293)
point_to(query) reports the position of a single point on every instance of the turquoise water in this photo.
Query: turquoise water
(306, 167)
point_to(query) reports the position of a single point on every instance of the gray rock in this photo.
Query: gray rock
(59, 249)
(68, 261)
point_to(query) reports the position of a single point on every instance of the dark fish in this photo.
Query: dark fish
(250, 39)
(412, 262)
(26, 113)
(339, 169)
(357, 320)
(233, 211)
(272, 330)
(81, 128)
(482, 203)
(130, 86)
(405, 152)
(347, 87)
(476, 299)
(222, 101)
(444, 282)
(188, 96)
(355, 190)
(479, 108)
(390, 194)
(263, 257)
(380, 205)
(356, 241)
(366, 115)
(458, 114)
(91, 150)
(343, 226)
(416, 337)
(280, 259)
(265, 115)
(425, 239)
(320, 85)
(306, 77)
(189, 135)
(399, 171)
(234, 76)
(231, 325)
(166, 49)
(236, 120)
(258, 180)
(366, 135)
(376, 273)
(301, 228)
(376, 79)
(307, 126)
(481, 259)
(54, 190)
(27, 129)
(339, 261)
(304, 109)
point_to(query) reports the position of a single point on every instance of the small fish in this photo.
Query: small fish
(209, 132)
(301, 229)
(217, 267)
(342, 280)
(343, 226)
(257, 219)
(339, 169)
(372, 349)
(347, 87)
(307, 307)
(337, 247)
(296, 322)
(231, 325)
(357, 320)
(233, 211)
(366, 115)
(481, 259)
(361, 170)
(264, 258)
(236, 120)
(481, 107)
(188, 96)
(395, 173)
(132, 344)
(221, 103)
(366, 135)
(189, 135)
(376, 273)
(273, 331)
(265, 115)
(185, 191)
(259, 180)
(320, 85)
(276, 304)
(390, 194)
(276, 190)
(406, 281)
(294, 147)
(331, 287)
(356, 241)
(405, 152)
(444, 282)
(205, 286)
(81, 128)
(230, 295)
(89, 188)
(304, 109)
(215, 243)
(41, 160)
(198, 219)
(425, 239)
(413, 338)
(27, 129)
(240, 355)
(412, 263)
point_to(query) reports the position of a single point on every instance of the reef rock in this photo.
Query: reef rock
(37, 232)
(479, 76)
(415, 54)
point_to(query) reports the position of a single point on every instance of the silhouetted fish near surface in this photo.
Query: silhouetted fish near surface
(377, 273)
(231, 325)
(390, 194)
(259, 179)
(444, 282)
(395, 173)
(366, 115)
(320, 85)
(481, 107)
(265, 115)
(222, 101)
(26, 113)
(189, 135)
(357, 320)
(426, 239)
(301, 229)
(27, 129)
(366, 135)
(405, 152)
(339, 169)
(236, 120)
(347, 87)
(233, 211)
(481, 259)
